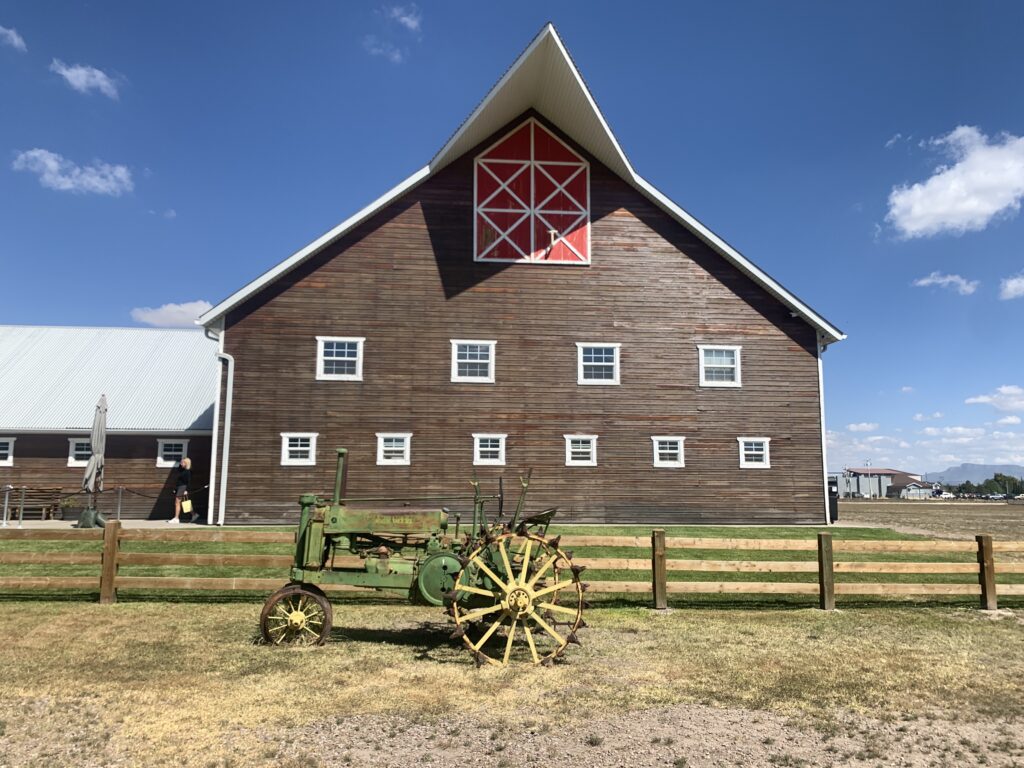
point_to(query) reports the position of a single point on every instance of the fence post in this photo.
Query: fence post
(986, 573)
(7, 498)
(826, 574)
(111, 547)
(659, 577)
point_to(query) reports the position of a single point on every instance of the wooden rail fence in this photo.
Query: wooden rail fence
(110, 557)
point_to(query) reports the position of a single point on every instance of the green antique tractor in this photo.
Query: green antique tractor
(512, 593)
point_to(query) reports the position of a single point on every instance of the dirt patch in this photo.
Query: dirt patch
(683, 735)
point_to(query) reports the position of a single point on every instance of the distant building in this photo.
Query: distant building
(876, 482)
(918, 489)
(160, 386)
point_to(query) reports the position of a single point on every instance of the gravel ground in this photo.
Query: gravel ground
(683, 735)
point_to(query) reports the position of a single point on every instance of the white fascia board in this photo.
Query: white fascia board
(299, 256)
(745, 266)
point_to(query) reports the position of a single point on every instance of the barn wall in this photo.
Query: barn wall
(40, 461)
(406, 281)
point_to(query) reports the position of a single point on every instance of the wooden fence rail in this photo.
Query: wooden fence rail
(109, 557)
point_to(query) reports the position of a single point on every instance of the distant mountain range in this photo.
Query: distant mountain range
(974, 473)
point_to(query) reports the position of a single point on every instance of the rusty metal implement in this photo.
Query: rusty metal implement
(513, 595)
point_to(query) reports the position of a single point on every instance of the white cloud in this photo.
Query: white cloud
(893, 140)
(953, 431)
(83, 78)
(13, 39)
(863, 426)
(171, 315)
(377, 47)
(1012, 287)
(906, 390)
(170, 213)
(954, 282)
(927, 417)
(55, 172)
(986, 179)
(409, 16)
(1008, 397)
(1007, 421)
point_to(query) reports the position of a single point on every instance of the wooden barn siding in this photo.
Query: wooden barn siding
(407, 282)
(40, 461)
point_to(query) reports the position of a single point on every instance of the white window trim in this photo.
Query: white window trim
(744, 464)
(739, 358)
(161, 462)
(289, 462)
(404, 461)
(655, 439)
(9, 461)
(357, 376)
(489, 379)
(72, 461)
(615, 365)
(479, 462)
(568, 451)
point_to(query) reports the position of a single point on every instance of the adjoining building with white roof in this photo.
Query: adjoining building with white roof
(160, 386)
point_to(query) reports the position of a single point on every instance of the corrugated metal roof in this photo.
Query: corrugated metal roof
(155, 380)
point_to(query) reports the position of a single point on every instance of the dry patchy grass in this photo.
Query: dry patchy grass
(946, 519)
(182, 683)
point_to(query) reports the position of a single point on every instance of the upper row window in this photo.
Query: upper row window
(339, 357)
(719, 366)
(473, 360)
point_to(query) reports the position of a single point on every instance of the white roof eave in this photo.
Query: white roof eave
(503, 103)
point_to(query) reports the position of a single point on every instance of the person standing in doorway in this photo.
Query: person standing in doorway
(181, 488)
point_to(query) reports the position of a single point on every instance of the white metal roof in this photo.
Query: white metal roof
(545, 78)
(155, 380)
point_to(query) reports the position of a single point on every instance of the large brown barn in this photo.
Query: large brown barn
(525, 300)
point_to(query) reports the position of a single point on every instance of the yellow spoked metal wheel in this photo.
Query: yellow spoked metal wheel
(517, 598)
(296, 615)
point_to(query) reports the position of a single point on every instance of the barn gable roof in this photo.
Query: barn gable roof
(544, 78)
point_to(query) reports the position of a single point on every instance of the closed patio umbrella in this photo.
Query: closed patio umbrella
(93, 478)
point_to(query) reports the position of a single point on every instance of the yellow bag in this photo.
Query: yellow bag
(186, 506)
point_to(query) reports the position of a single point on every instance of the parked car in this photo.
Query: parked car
(946, 495)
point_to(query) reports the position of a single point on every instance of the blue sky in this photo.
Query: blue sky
(164, 153)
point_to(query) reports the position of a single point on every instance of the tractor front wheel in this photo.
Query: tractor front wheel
(296, 615)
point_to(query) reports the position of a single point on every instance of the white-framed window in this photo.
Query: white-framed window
(394, 448)
(488, 449)
(339, 358)
(7, 451)
(597, 362)
(668, 451)
(298, 449)
(754, 452)
(580, 450)
(473, 360)
(170, 452)
(719, 366)
(79, 451)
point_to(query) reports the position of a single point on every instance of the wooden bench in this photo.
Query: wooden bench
(44, 502)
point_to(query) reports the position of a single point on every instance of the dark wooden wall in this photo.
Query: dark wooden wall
(40, 461)
(406, 281)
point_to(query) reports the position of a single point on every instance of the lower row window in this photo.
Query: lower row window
(754, 452)
(395, 449)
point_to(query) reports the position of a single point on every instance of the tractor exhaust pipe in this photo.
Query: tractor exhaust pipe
(339, 476)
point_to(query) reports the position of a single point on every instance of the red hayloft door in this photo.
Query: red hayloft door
(532, 200)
